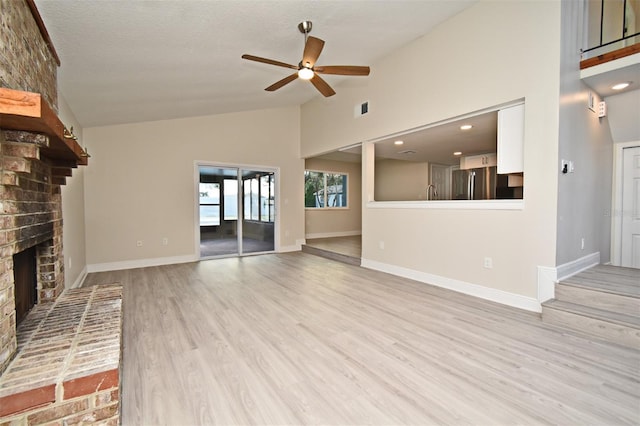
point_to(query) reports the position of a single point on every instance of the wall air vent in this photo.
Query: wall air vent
(361, 109)
(407, 152)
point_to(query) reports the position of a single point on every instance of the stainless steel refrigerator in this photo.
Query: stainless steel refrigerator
(474, 184)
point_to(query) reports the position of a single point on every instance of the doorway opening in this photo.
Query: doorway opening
(236, 211)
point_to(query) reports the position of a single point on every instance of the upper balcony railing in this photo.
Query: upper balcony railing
(612, 25)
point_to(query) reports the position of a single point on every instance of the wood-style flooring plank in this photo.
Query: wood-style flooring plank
(348, 246)
(299, 339)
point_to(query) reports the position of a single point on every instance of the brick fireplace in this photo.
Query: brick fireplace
(62, 362)
(31, 222)
(30, 202)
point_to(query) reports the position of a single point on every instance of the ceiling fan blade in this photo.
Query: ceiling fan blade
(343, 70)
(312, 50)
(322, 86)
(279, 84)
(269, 61)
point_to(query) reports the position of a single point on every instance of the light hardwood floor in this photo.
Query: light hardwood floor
(348, 246)
(299, 339)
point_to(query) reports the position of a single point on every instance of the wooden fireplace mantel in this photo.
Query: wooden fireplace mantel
(29, 112)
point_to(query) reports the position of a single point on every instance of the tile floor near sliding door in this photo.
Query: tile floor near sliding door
(298, 339)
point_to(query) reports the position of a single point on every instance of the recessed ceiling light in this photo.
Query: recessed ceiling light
(466, 127)
(398, 142)
(457, 153)
(621, 86)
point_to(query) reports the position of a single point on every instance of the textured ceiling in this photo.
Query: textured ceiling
(130, 61)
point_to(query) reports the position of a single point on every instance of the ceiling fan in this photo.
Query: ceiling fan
(306, 69)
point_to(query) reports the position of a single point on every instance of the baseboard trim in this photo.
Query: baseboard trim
(549, 276)
(492, 294)
(547, 279)
(80, 278)
(140, 263)
(575, 266)
(289, 249)
(333, 234)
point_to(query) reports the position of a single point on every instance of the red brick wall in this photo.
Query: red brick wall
(30, 215)
(26, 63)
(30, 206)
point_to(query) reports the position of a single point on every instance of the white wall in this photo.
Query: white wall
(73, 231)
(584, 197)
(321, 223)
(489, 54)
(622, 113)
(141, 182)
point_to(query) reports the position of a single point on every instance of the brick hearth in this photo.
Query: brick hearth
(61, 364)
(68, 361)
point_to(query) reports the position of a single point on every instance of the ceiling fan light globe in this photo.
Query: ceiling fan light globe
(305, 73)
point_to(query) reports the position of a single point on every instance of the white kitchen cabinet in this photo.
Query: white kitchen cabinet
(511, 139)
(477, 161)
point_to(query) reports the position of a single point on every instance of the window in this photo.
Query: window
(209, 204)
(259, 197)
(267, 198)
(230, 191)
(325, 189)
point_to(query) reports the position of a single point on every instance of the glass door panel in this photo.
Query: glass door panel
(258, 221)
(218, 206)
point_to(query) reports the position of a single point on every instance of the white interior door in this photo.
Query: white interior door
(630, 253)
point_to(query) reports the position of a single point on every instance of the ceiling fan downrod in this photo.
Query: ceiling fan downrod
(305, 28)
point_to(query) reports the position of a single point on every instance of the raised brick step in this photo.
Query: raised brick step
(67, 366)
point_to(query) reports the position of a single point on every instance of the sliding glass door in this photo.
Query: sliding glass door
(258, 219)
(236, 211)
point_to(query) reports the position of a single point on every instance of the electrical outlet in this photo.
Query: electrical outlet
(165, 241)
(564, 166)
(488, 262)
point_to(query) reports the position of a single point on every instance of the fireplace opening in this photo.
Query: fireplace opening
(25, 278)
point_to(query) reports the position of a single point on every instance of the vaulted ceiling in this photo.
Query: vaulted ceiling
(134, 60)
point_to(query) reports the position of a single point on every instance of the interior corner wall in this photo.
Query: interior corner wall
(584, 196)
(487, 55)
(398, 180)
(622, 113)
(320, 223)
(140, 185)
(73, 224)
